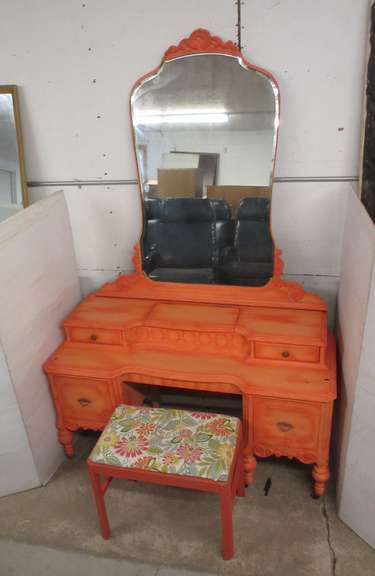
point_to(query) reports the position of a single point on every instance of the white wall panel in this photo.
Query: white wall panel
(39, 288)
(316, 50)
(325, 286)
(356, 404)
(106, 227)
(356, 269)
(17, 470)
(76, 63)
(308, 221)
(106, 223)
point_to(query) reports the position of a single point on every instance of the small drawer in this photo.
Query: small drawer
(94, 335)
(286, 352)
(286, 425)
(83, 400)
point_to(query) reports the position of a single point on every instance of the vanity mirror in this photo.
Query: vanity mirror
(205, 131)
(13, 189)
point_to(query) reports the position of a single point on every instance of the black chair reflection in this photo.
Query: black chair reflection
(152, 207)
(195, 240)
(182, 238)
(249, 262)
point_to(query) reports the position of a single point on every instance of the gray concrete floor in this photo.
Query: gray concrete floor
(19, 559)
(164, 531)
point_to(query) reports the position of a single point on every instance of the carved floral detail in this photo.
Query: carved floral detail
(201, 41)
(304, 456)
(160, 337)
(294, 290)
(128, 279)
(278, 263)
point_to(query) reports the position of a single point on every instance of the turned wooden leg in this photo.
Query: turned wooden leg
(249, 460)
(320, 475)
(66, 439)
(249, 464)
(226, 506)
(320, 471)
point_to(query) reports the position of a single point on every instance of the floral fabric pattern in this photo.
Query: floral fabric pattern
(170, 441)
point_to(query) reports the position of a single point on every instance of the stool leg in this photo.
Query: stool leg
(241, 484)
(155, 397)
(100, 504)
(226, 505)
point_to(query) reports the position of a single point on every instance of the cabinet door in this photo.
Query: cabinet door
(84, 402)
(286, 428)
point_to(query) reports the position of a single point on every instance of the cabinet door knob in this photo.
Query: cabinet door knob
(285, 354)
(285, 426)
(93, 337)
(84, 401)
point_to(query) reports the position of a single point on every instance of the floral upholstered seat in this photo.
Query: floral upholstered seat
(169, 441)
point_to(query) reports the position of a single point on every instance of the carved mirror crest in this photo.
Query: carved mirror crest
(205, 127)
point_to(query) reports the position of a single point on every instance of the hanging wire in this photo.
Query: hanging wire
(239, 3)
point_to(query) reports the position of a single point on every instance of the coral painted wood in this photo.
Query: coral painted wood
(201, 41)
(270, 345)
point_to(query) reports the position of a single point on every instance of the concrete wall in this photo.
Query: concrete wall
(76, 62)
(39, 287)
(356, 405)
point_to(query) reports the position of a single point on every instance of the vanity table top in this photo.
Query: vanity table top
(290, 326)
(288, 381)
(108, 312)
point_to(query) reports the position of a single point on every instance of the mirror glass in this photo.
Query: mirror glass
(205, 129)
(12, 182)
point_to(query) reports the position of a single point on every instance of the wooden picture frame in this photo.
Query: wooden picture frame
(367, 171)
(13, 91)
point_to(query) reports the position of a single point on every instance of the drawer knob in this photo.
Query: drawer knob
(93, 337)
(285, 426)
(285, 354)
(84, 401)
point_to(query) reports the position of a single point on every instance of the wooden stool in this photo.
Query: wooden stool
(193, 450)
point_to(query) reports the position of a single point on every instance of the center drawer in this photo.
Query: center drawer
(286, 352)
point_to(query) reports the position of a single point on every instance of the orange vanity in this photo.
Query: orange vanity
(275, 353)
(206, 308)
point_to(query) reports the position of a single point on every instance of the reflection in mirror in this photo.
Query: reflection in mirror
(205, 129)
(13, 192)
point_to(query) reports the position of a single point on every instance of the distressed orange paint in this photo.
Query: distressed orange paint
(268, 344)
(283, 373)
